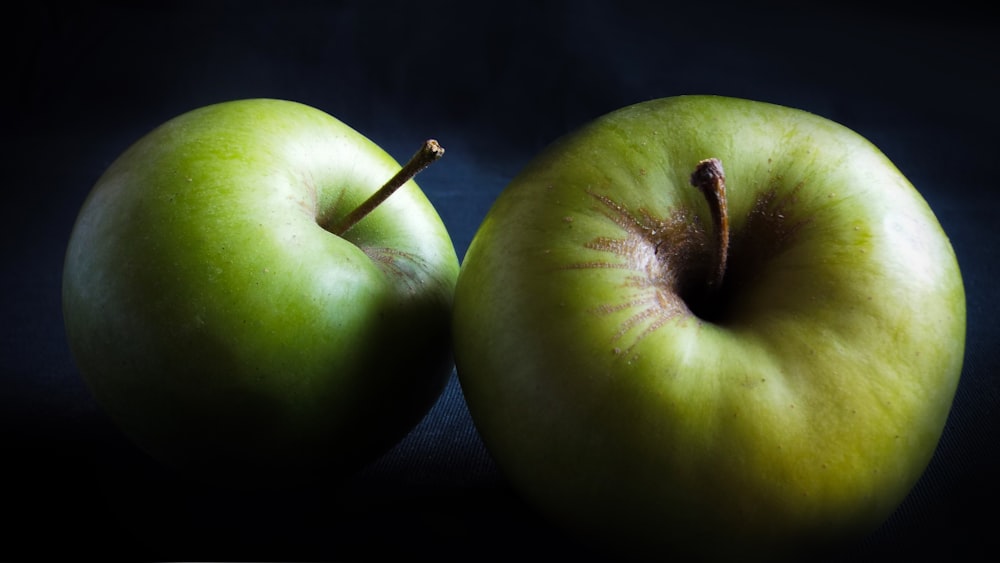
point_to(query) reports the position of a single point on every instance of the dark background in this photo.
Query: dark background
(495, 82)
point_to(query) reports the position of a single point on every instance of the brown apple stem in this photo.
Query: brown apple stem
(711, 180)
(428, 153)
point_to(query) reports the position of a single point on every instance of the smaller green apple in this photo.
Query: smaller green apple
(247, 306)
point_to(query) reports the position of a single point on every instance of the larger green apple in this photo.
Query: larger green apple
(650, 395)
(227, 324)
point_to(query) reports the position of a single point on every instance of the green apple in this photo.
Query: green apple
(228, 319)
(757, 368)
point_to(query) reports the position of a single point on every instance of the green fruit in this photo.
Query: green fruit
(638, 402)
(220, 322)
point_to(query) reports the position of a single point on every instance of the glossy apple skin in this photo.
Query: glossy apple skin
(224, 329)
(797, 420)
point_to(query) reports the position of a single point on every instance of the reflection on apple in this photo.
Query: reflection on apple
(756, 366)
(237, 317)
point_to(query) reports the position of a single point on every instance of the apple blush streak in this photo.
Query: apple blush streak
(710, 179)
(429, 152)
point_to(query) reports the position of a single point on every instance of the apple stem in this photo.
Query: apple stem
(428, 153)
(709, 178)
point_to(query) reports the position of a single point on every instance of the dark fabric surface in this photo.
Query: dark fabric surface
(495, 82)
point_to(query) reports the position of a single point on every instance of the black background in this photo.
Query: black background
(494, 82)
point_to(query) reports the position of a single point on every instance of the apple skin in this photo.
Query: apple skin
(794, 419)
(224, 329)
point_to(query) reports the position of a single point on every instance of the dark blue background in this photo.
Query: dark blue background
(495, 82)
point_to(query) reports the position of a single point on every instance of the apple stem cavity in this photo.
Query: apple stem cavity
(710, 179)
(429, 152)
